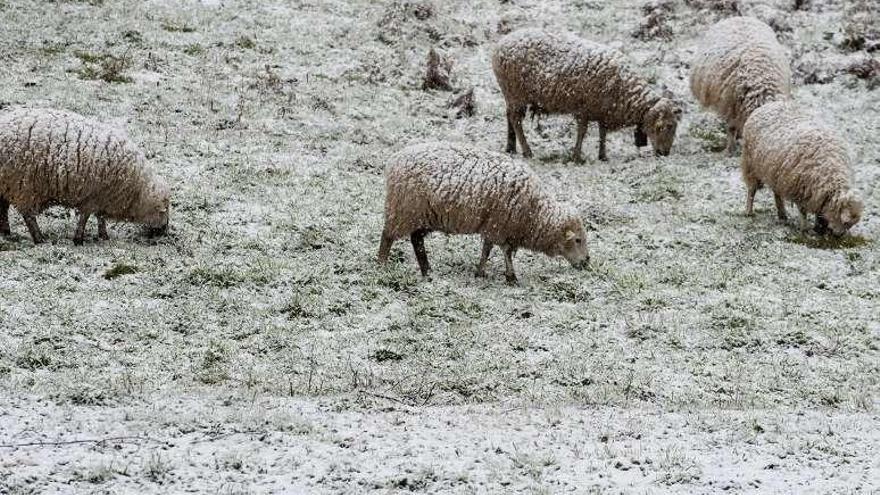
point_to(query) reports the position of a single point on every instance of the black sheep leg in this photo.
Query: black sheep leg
(34, 229)
(82, 219)
(4, 217)
(418, 242)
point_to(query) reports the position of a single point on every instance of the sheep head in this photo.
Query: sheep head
(154, 206)
(843, 212)
(572, 243)
(660, 124)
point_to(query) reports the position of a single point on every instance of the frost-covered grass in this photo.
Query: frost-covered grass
(259, 340)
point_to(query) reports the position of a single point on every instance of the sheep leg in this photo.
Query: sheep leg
(418, 242)
(750, 196)
(804, 222)
(821, 227)
(484, 257)
(102, 229)
(511, 135)
(780, 207)
(516, 117)
(582, 124)
(603, 132)
(509, 253)
(82, 218)
(31, 222)
(731, 141)
(385, 247)
(4, 217)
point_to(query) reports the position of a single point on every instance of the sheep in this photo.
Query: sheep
(739, 67)
(802, 162)
(53, 157)
(458, 189)
(564, 74)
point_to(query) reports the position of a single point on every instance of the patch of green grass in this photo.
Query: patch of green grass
(96, 475)
(177, 27)
(795, 338)
(300, 306)
(156, 468)
(50, 48)
(194, 49)
(567, 291)
(118, 270)
(212, 369)
(661, 187)
(382, 355)
(104, 66)
(222, 277)
(133, 36)
(84, 394)
(89, 57)
(828, 242)
(713, 140)
(34, 358)
(245, 42)
(398, 277)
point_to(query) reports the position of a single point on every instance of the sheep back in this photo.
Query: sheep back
(803, 161)
(562, 73)
(53, 157)
(738, 67)
(461, 190)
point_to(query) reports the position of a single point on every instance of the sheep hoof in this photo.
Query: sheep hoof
(527, 154)
(78, 241)
(603, 158)
(480, 274)
(578, 159)
(511, 280)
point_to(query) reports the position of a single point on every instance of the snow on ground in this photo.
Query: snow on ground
(259, 349)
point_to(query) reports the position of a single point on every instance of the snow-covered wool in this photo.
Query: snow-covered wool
(458, 189)
(802, 162)
(564, 74)
(53, 157)
(739, 66)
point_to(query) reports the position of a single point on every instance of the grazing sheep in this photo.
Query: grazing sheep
(53, 157)
(802, 162)
(564, 74)
(461, 190)
(739, 67)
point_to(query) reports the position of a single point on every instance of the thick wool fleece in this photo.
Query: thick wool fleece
(739, 66)
(457, 189)
(562, 73)
(801, 161)
(52, 157)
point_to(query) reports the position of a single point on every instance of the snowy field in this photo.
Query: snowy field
(259, 348)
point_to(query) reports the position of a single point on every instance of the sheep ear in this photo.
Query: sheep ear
(569, 235)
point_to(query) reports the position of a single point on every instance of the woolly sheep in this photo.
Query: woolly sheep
(456, 189)
(739, 67)
(52, 157)
(801, 161)
(564, 74)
